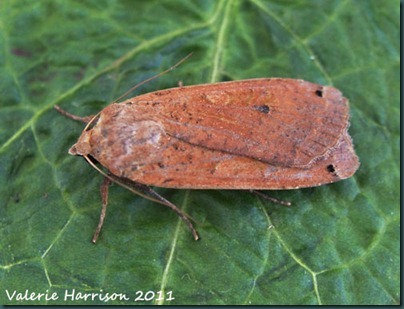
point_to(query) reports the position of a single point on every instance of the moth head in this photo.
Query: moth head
(82, 147)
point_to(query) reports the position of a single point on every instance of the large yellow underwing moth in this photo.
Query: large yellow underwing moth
(257, 134)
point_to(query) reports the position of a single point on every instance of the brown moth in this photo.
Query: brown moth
(257, 134)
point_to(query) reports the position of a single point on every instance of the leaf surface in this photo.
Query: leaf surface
(337, 244)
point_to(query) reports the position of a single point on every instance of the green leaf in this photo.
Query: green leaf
(337, 244)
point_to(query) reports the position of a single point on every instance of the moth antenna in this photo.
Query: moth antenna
(118, 182)
(91, 121)
(131, 89)
(159, 200)
(153, 77)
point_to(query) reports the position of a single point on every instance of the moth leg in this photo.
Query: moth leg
(270, 198)
(104, 196)
(74, 117)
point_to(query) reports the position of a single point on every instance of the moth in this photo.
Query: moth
(256, 134)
